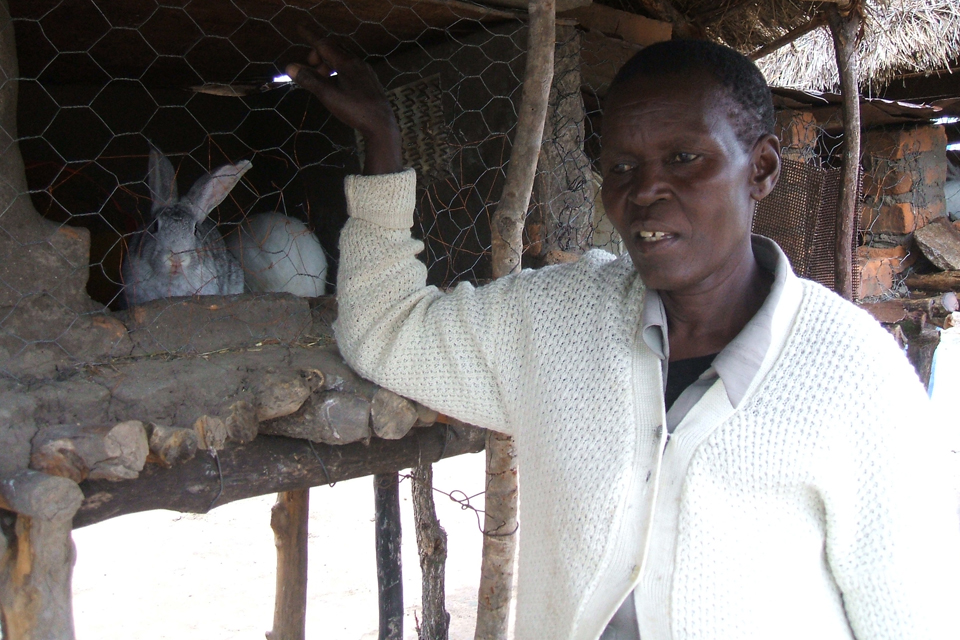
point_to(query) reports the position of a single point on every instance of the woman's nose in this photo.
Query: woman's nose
(646, 186)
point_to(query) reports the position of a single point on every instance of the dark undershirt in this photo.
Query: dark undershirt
(683, 373)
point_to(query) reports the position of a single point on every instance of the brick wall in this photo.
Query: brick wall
(905, 171)
(904, 175)
(798, 132)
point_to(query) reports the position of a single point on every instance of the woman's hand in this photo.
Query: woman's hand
(349, 89)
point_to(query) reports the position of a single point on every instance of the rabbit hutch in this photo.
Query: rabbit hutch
(113, 403)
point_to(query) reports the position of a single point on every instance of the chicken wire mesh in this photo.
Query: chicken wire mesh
(103, 81)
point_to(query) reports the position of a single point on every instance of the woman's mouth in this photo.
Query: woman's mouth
(654, 236)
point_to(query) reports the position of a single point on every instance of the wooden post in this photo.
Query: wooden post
(507, 231)
(500, 523)
(37, 556)
(432, 546)
(288, 518)
(386, 491)
(846, 30)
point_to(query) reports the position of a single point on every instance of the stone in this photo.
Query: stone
(392, 416)
(170, 445)
(211, 432)
(940, 243)
(280, 395)
(103, 452)
(331, 417)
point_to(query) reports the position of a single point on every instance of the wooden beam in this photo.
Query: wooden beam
(628, 26)
(269, 464)
(817, 21)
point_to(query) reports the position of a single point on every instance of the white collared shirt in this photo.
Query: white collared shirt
(736, 366)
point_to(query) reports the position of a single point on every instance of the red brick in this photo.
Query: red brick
(897, 218)
(898, 183)
(879, 267)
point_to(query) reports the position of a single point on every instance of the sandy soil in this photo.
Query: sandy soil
(160, 574)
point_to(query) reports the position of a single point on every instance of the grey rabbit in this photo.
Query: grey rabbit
(181, 252)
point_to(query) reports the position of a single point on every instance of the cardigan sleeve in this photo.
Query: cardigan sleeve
(893, 535)
(454, 352)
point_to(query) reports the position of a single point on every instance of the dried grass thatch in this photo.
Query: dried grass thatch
(900, 36)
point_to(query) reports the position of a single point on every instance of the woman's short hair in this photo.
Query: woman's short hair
(751, 101)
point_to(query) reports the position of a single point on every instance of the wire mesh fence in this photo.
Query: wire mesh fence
(103, 81)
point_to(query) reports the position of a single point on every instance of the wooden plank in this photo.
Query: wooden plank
(269, 464)
(628, 26)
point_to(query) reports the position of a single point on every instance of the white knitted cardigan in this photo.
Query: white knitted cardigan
(819, 509)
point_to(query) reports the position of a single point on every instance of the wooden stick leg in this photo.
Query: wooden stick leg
(432, 546)
(386, 489)
(288, 519)
(37, 556)
(499, 539)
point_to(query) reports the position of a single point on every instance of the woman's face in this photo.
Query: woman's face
(678, 184)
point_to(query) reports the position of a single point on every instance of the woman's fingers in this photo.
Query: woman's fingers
(316, 83)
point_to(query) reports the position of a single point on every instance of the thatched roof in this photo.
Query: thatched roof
(899, 36)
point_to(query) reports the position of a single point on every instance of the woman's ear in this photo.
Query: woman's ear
(766, 166)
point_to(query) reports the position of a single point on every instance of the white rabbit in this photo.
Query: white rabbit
(279, 253)
(181, 253)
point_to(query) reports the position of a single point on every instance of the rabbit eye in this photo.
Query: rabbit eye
(154, 227)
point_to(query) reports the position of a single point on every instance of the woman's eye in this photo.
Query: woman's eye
(623, 167)
(684, 158)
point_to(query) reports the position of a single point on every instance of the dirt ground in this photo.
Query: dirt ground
(162, 575)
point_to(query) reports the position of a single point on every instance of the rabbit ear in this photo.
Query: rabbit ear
(162, 180)
(210, 190)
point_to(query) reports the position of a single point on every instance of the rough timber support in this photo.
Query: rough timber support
(846, 30)
(500, 522)
(432, 547)
(37, 556)
(288, 518)
(386, 491)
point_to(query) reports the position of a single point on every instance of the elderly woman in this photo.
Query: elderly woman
(710, 446)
